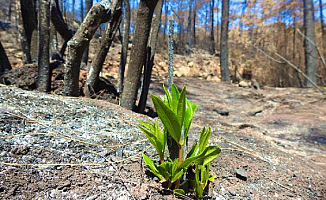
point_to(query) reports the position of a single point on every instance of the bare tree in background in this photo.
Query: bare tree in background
(89, 4)
(189, 42)
(9, 11)
(310, 50)
(60, 25)
(212, 48)
(194, 23)
(76, 46)
(323, 27)
(151, 49)
(44, 71)
(4, 62)
(27, 27)
(125, 43)
(225, 72)
(138, 53)
(95, 68)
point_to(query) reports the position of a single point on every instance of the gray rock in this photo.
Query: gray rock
(241, 174)
(255, 112)
(232, 192)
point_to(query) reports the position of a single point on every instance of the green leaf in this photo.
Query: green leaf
(179, 191)
(203, 139)
(177, 175)
(194, 151)
(209, 154)
(165, 170)
(168, 118)
(175, 97)
(152, 167)
(189, 115)
(182, 106)
(154, 135)
(211, 178)
(168, 97)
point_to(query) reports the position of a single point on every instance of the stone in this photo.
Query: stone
(191, 64)
(232, 192)
(241, 174)
(255, 112)
(222, 112)
(244, 84)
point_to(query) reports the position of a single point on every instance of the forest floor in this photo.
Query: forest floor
(273, 140)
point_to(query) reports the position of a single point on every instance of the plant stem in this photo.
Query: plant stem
(177, 184)
(161, 158)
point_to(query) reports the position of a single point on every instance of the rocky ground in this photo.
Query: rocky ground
(56, 147)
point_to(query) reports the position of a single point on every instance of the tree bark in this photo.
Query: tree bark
(310, 50)
(44, 71)
(73, 9)
(225, 72)
(59, 23)
(194, 24)
(125, 43)
(189, 43)
(212, 49)
(138, 53)
(4, 62)
(91, 86)
(81, 11)
(76, 46)
(323, 28)
(9, 11)
(89, 4)
(27, 27)
(151, 49)
(166, 18)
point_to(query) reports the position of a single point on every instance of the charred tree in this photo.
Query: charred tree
(27, 27)
(323, 28)
(189, 43)
(76, 46)
(194, 23)
(125, 43)
(4, 62)
(89, 4)
(9, 11)
(95, 68)
(44, 71)
(225, 72)
(310, 50)
(151, 49)
(138, 53)
(60, 25)
(212, 49)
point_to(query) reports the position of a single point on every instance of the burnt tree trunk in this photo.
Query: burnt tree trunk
(151, 49)
(44, 71)
(60, 25)
(188, 37)
(310, 50)
(323, 28)
(4, 62)
(225, 72)
(125, 43)
(89, 4)
(95, 68)
(212, 49)
(138, 53)
(76, 46)
(194, 24)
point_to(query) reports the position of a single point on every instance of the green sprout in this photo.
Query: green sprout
(176, 113)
